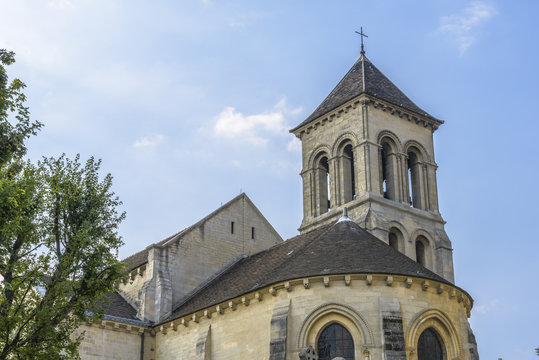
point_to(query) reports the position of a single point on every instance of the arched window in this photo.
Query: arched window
(388, 176)
(414, 179)
(335, 341)
(420, 253)
(348, 181)
(430, 346)
(395, 237)
(323, 183)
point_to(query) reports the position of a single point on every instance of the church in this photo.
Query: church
(368, 277)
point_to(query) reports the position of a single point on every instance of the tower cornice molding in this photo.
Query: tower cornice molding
(366, 100)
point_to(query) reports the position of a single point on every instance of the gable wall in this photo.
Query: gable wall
(204, 250)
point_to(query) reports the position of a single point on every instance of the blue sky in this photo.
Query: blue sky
(189, 102)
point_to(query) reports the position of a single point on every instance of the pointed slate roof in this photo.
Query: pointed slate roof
(364, 77)
(341, 248)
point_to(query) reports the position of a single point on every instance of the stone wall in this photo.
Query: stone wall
(176, 268)
(113, 340)
(384, 318)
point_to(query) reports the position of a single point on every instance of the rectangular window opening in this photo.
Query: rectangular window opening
(252, 233)
(232, 227)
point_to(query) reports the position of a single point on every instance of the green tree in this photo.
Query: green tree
(58, 237)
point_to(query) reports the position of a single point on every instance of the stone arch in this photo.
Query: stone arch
(420, 149)
(440, 322)
(395, 236)
(346, 137)
(386, 134)
(428, 242)
(329, 313)
(316, 153)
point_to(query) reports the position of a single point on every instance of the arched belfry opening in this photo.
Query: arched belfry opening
(323, 183)
(395, 239)
(421, 244)
(349, 184)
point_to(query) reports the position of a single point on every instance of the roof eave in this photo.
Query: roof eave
(327, 116)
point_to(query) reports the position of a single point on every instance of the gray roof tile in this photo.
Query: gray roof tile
(351, 86)
(341, 248)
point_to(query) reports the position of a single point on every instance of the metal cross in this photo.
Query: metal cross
(362, 35)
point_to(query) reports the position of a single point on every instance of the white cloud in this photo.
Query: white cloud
(486, 308)
(294, 145)
(463, 28)
(149, 142)
(255, 129)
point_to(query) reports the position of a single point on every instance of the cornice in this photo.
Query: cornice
(366, 99)
(442, 289)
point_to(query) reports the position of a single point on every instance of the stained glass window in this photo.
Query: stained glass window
(335, 341)
(429, 346)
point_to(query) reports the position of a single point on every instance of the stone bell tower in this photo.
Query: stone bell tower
(369, 148)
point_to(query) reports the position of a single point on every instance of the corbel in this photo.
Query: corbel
(306, 284)
(408, 282)
(425, 285)
(245, 301)
(452, 293)
(195, 318)
(440, 289)
(174, 326)
(102, 324)
(231, 305)
(287, 286)
(116, 325)
(389, 280)
(184, 322)
(258, 296)
(207, 314)
(219, 309)
(272, 291)
(163, 329)
(326, 281)
(347, 280)
(128, 328)
(369, 280)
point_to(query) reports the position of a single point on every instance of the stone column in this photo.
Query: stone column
(309, 207)
(334, 182)
(432, 190)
